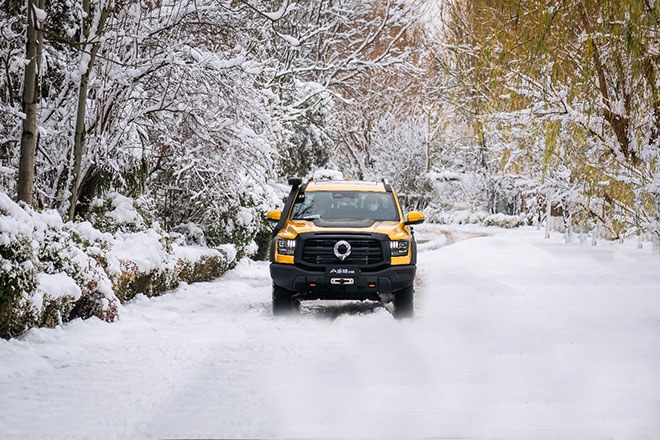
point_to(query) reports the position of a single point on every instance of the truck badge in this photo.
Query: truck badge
(342, 249)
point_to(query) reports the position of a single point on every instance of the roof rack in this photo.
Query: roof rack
(386, 184)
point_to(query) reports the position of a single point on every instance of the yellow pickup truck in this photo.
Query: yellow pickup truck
(345, 240)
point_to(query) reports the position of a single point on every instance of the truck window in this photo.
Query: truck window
(354, 205)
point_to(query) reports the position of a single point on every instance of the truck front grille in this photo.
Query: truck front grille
(363, 251)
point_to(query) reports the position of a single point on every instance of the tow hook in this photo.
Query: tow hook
(342, 281)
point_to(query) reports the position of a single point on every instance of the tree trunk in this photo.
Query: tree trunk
(35, 37)
(619, 124)
(548, 213)
(79, 142)
(92, 49)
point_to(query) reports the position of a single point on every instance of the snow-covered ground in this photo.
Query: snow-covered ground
(514, 337)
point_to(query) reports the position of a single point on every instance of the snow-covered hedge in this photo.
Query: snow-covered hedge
(46, 274)
(115, 212)
(454, 217)
(478, 217)
(505, 221)
(147, 262)
(52, 272)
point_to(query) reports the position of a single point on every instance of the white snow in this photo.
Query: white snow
(143, 248)
(293, 41)
(281, 12)
(252, 248)
(244, 216)
(39, 13)
(514, 337)
(54, 286)
(123, 210)
(327, 174)
(229, 249)
(88, 232)
(193, 253)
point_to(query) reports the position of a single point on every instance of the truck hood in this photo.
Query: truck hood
(395, 230)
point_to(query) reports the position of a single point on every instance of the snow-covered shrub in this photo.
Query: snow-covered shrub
(258, 249)
(190, 233)
(142, 262)
(17, 278)
(115, 212)
(149, 263)
(140, 258)
(203, 264)
(46, 276)
(327, 174)
(434, 215)
(240, 227)
(505, 221)
(456, 190)
(244, 220)
(55, 296)
(133, 281)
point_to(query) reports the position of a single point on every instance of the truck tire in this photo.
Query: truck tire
(404, 302)
(283, 301)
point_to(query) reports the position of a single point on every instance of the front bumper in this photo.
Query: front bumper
(316, 285)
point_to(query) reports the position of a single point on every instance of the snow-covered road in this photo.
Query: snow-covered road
(514, 337)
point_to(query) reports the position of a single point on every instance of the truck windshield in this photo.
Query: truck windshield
(354, 205)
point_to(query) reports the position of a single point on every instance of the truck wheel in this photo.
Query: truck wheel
(404, 303)
(283, 301)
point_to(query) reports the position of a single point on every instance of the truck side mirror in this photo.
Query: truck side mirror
(274, 215)
(414, 218)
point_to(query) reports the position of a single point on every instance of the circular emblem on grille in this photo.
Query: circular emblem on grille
(342, 249)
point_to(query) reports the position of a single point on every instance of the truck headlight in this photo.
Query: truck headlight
(399, 248)
(285, 246)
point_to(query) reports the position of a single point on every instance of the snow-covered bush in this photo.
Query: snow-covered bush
(142, 262)
(434, 215)
(148, 262)
(203, 264)
(327, 174)
(505, 221)
(189, 233)
(52, 272)
(115, 212)
(46, 276)
(456, 191)
(439, 216)
(17, 279)
(242, 226)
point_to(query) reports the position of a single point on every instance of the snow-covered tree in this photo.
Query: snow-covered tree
(566, 92)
